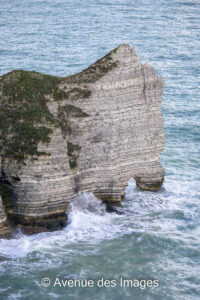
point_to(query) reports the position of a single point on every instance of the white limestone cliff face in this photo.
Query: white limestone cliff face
(108, 129)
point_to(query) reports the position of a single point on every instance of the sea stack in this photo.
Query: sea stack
(89, 132)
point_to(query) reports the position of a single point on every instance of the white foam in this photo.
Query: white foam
(89, 223)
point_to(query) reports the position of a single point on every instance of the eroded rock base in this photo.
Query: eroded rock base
(32, 225)
(149, 186)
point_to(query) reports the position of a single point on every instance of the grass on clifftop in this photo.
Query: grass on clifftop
(25, 120)
(96, 70)
(24, 115)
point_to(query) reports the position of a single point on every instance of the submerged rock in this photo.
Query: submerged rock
(90, 132)
(113, 207)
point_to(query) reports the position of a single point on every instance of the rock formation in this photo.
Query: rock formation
(5, 230)
(88, 132)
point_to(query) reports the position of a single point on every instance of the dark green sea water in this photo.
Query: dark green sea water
(159, 236)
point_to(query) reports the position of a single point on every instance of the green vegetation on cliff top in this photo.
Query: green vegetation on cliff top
(25, 119)
(24, 115)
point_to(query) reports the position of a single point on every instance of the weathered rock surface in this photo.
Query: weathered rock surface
(5, 230)
(89, 132)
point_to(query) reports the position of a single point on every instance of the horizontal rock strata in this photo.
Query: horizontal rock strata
(89, 132)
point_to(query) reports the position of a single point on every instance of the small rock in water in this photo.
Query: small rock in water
(110, 208)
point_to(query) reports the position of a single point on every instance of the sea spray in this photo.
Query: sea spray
(160, 238)
(87, 202)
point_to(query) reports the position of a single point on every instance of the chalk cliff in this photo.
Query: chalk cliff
(92, 132)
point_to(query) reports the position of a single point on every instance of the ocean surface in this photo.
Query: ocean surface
(158, 238)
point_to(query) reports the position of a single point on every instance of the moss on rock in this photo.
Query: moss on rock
(94, 72)
(25, 120)
(24, 115)
(64, 115)
(6, 196)
(73, 93)
(73, 152)
(73, 111)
